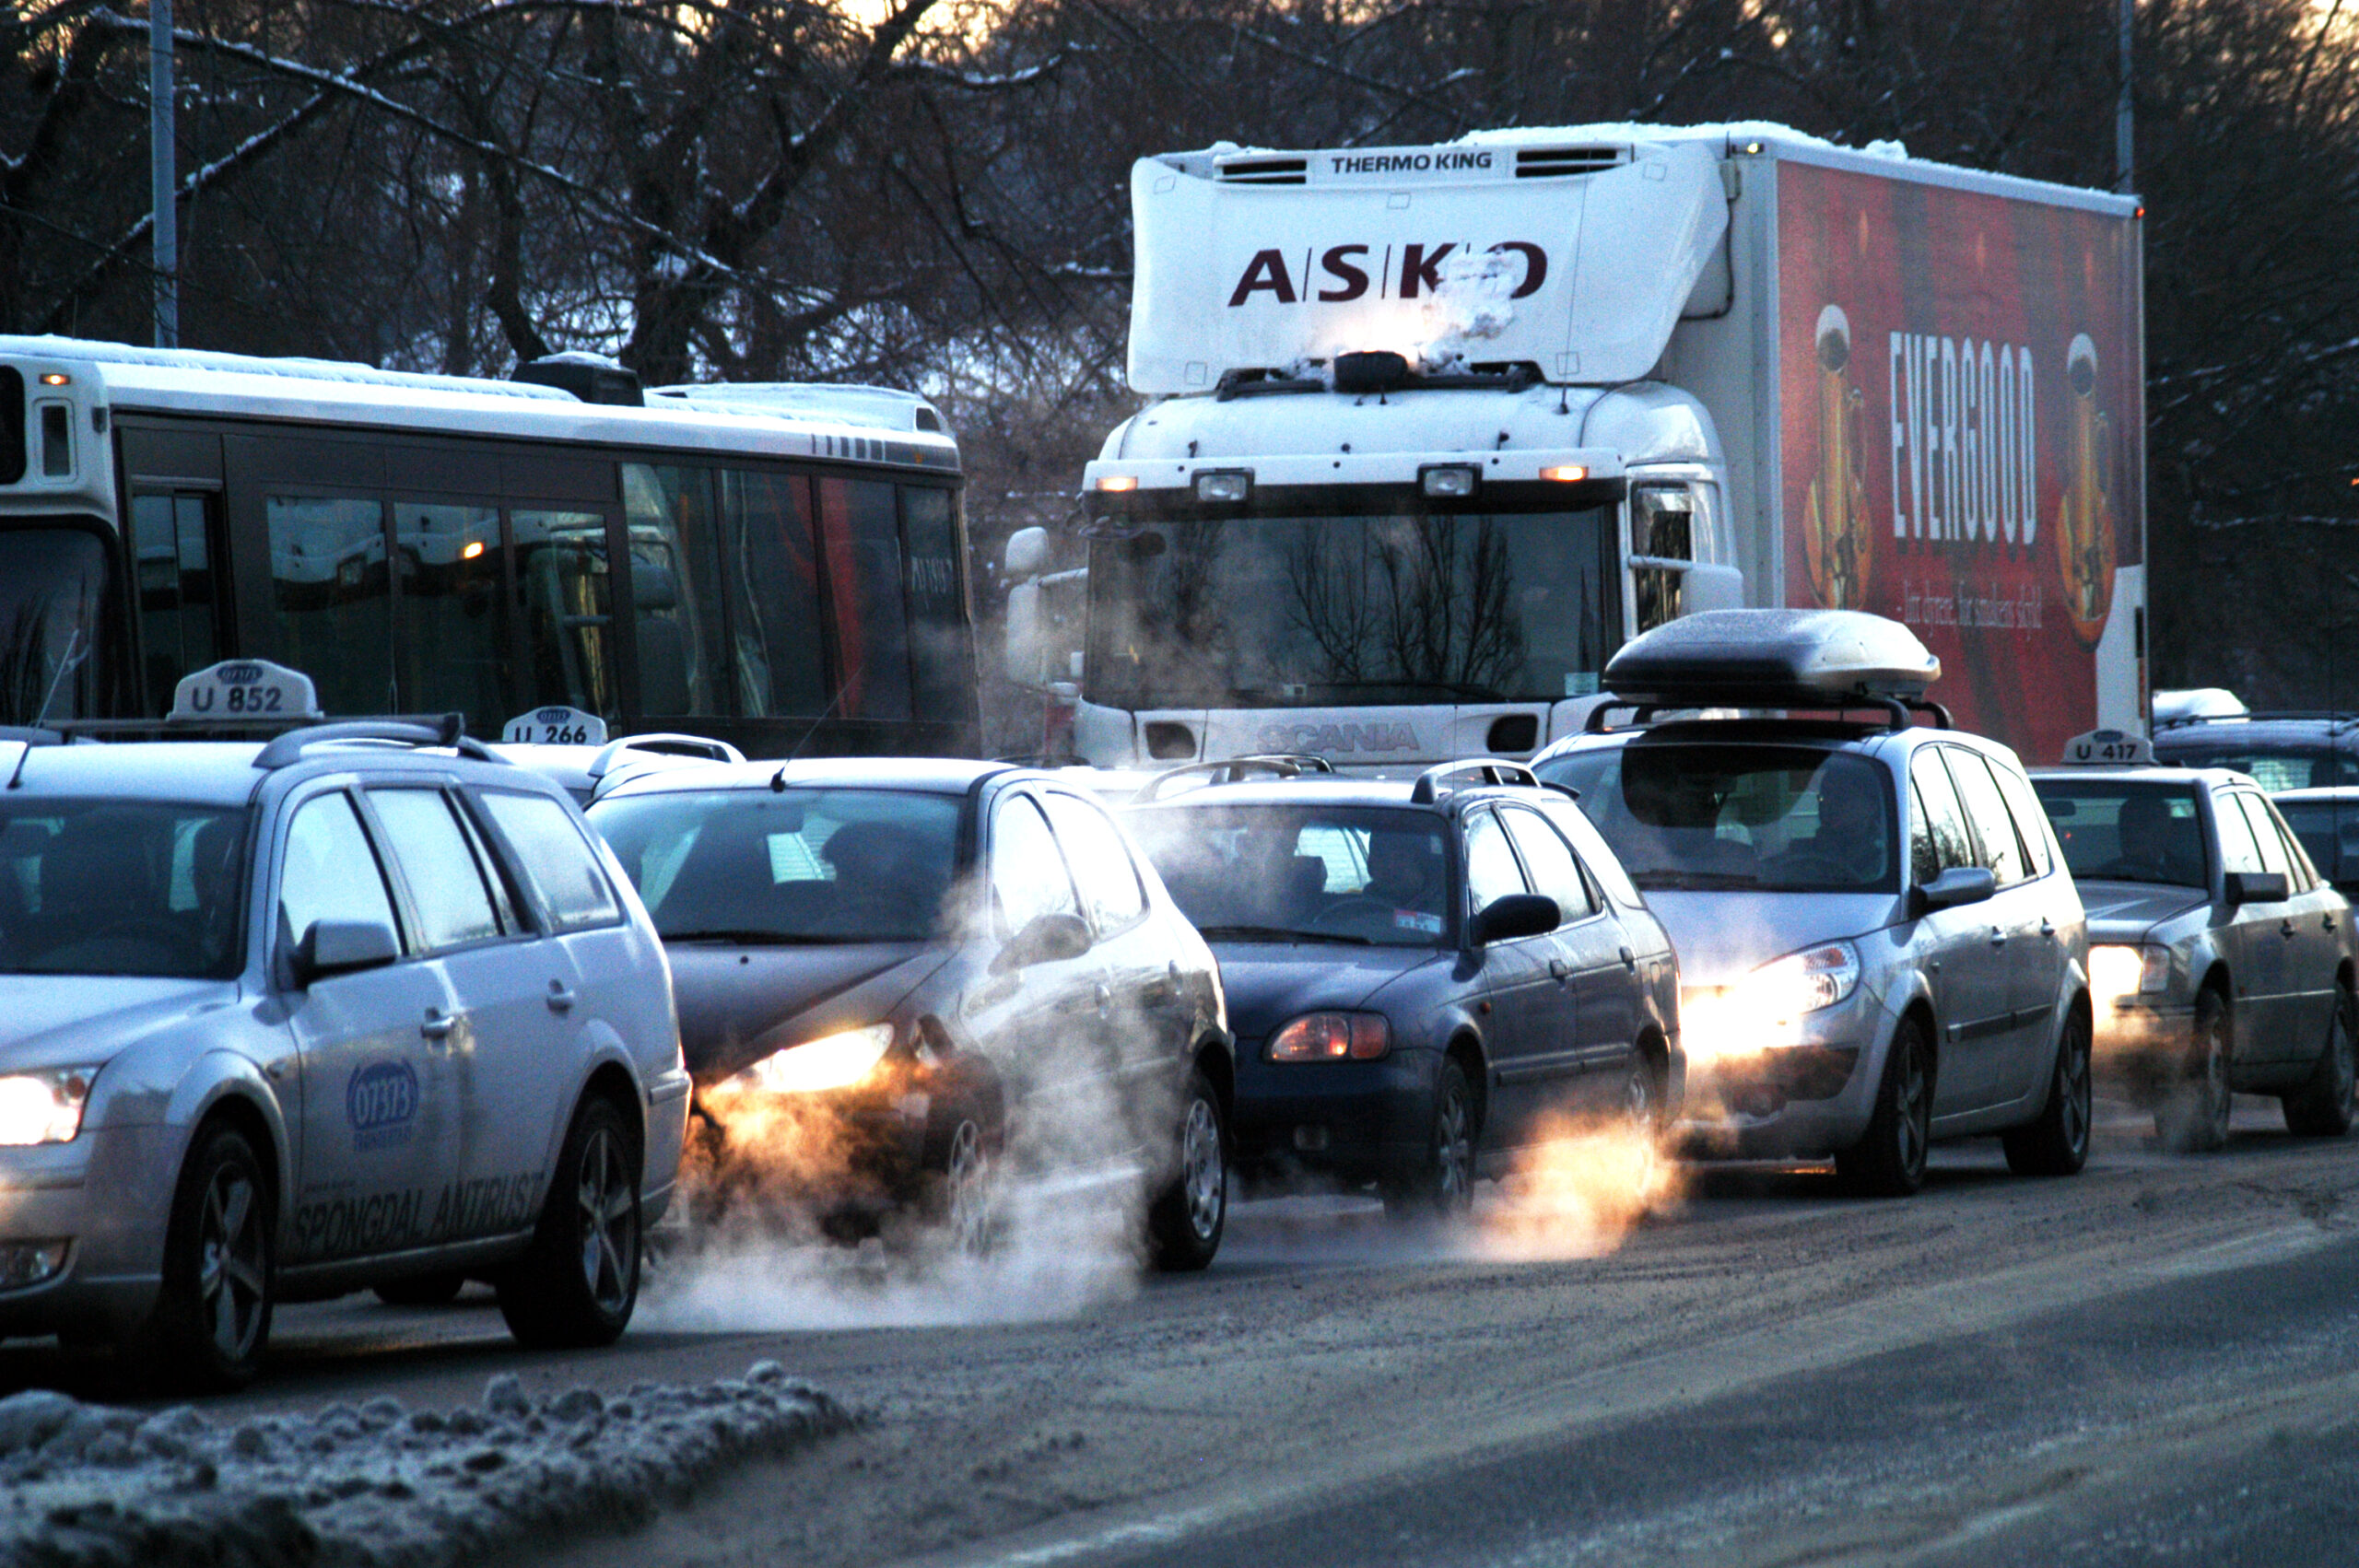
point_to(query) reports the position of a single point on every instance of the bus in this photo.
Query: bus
(778, 567)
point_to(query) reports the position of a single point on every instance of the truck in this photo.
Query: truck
(1430, 431)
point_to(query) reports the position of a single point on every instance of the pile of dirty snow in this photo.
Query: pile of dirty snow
(376, 1485)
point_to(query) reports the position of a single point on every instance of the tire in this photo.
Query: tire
(2056, 1143)
(578, 1285)
(961, 1197)
(213, 1308)
(2193, 1113)
(2324, 1108)
(422, 1290)
(1889, 1159)
(1185, 1221)
(1443, 1187)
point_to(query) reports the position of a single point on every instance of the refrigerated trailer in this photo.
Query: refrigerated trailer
(1433, 431)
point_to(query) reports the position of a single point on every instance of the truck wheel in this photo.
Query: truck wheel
(212, 1317)
(2323, 1107)
(1183, 1227)
(2058, 1142)
(1889, 1159)
(578, 1283)
(2193, 1114)
(1444, 1188)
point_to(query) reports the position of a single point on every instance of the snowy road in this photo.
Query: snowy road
(2152, 1361)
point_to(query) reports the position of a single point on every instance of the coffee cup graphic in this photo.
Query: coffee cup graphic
(1837, 539)
(2084, 532)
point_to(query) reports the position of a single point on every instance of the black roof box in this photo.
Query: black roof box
(1771, 659)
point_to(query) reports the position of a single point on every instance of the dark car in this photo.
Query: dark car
(881, 963)
(2280, 751)
(2220, 961)
(1423, 976)
(2326, 822)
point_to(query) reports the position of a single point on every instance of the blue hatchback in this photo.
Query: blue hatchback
(1422, 977)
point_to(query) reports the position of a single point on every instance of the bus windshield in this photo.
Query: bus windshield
(1273, 611)
(53, 583)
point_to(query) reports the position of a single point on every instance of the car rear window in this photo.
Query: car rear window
(2274, 767)
(556, 859)
(121, 887)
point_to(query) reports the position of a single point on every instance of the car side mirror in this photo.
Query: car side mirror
(2256, 887)
(1959, 884)
(340, 947)
(1045, 940)
(1517, 915)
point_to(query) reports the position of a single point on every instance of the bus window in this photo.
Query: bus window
(944, 648)
(673, 565)
(179, 616)
(566, 595)
(774, 583)
(857, 518)
(330, 598)
(453, 645)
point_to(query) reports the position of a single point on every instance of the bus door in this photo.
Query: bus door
(184, 623)
(567, 631)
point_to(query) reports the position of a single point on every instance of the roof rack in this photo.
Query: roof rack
(2338, 721)
(449, 734)
(1482, 769)
(1234, 770)
(1895, 709)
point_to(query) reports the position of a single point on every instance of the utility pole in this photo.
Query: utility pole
(2124, 166)
(163, 176)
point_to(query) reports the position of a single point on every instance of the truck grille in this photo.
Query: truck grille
(1552, 163)
(1266, 171)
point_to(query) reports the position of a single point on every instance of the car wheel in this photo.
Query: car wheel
(212, 1317)
(2193, 1115)
(1889, 1160)
(578, 1283)
(2323, 1107)
(963, 1191)
(2058, 1142)
(1185, 1224)
(422, 1290)
(1444, 1188)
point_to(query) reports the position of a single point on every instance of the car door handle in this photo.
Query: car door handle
(1105, 999)
(2330, 922)
(2285, 928)
(560, 999)
(1629, 959)
(1560, 969)
(2048, 928)
(1998, 936)
(438, 1025)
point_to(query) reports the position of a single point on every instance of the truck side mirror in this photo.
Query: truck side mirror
(1027, 552)
(1704, 588)
(329, 948)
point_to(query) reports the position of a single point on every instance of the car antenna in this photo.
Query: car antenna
(778, 783)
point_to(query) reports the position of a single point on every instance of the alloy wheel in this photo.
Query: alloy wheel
(609, 1235)
(230, 1272)
(966, 1179)
(1206, 1171)
(1453, 1152)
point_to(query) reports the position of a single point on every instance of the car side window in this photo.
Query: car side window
(2265, 838)
(2306, 870)
(1550, 860)
(331, 871)
(1491, 871)
(1937, 839)
(1594, 853)
(1027, 875)
(555, 857)
(2031, 817)
(438, 864)
(1987, 809)
(1101, 861)
(2237, 850)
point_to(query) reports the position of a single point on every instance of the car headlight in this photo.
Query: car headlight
(1801, 982)
(832, 1062)
(1332, 1037)
(2118, 970)
(43, 1107)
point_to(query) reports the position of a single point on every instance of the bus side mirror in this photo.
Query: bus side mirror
(1704, 588)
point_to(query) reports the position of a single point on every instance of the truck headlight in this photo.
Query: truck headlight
(1801, 982)
(2118, 970)
(832, 1062)
(43, 1107)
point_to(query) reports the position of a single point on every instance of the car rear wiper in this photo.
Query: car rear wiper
(1277, 933)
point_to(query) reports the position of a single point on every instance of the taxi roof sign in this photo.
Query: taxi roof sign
(554, 726)
(1772, 658)
(2108, 748)
(241, 690)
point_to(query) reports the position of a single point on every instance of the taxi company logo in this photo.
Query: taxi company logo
(552, 716)
(1322, 739)
(237, 674)
(1347, 273)
(380, 1102)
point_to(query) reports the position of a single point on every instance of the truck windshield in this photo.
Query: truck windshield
(1289, 612)
(52, 586)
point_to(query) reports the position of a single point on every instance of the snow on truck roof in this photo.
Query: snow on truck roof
(718, 418)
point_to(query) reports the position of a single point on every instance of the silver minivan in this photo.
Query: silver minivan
(1880, 944)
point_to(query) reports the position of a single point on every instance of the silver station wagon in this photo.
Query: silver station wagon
(361, 1006)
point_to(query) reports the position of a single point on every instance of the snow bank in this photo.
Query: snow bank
(373, 1484)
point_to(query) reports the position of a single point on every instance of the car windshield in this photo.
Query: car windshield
(2119, 831)
(2275, 768)
(1359, 876)
(2329, 831)
(796, 866)
(121, 887)
(1700, 817)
